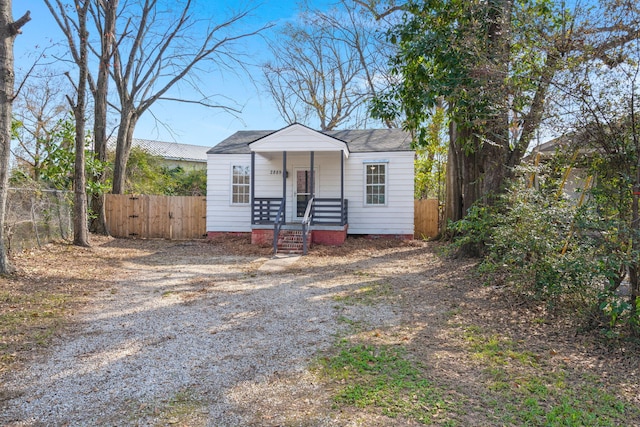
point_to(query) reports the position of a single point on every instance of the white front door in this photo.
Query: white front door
(302, 190)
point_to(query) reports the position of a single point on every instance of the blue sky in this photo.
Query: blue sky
(189, 124)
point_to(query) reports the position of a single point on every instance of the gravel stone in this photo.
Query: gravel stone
(214, 327)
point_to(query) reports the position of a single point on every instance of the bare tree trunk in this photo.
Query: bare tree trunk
(98, 222)
(80, 220)
(453, 210)
(8, 32)
(128, 120)
(635, 223)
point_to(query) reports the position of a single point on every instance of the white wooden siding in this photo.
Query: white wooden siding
(396, 217)
(221, 214)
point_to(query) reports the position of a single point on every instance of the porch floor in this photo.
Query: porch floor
(297, 225)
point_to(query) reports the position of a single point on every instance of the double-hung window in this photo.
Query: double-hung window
(375, 189)
(240, 189)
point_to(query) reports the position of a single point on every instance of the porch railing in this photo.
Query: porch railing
(330, 211)
(306, 220)
(277, 224)
(324, 211)
(265, 209)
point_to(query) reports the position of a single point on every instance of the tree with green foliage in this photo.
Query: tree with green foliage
(607, 111)
(493, 64)
(148, 174)
(581, 254)
(56, 164)
(431, 159)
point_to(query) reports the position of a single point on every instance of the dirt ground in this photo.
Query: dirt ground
(436, 309)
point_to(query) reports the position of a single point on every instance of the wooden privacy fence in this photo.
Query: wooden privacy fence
(166, 217)
(184, 217)
(425, 218)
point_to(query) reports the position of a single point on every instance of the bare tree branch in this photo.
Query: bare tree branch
(164, 50)
(15, 27)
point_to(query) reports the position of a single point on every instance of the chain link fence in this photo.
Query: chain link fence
(35, 217)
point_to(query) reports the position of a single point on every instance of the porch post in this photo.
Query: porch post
(312, 174)
(311, 161)
(284, 182)
(342, 219)
(252, 186)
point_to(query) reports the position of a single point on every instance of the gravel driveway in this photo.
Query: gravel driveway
(184, 331)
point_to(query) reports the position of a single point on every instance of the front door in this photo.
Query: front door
(302, 190)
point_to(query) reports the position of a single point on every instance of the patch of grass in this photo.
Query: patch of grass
(382, 377)
(368, 295)
(525, 392)
(497, 350)
(185, 408)
(546, 401)
(28, 320)
(182, 409)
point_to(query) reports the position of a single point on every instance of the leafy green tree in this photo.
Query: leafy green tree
(608, 121)
(493, 64)
(147, 174)
(431, 159)
(586, 251)
(189, 182)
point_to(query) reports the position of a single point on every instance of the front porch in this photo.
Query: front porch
(297, 190)
(325, 222)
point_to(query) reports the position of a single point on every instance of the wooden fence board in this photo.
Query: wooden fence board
(425, 219)
(167, 217)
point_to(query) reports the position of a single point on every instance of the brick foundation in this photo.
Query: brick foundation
(262, 237)
(329, 237)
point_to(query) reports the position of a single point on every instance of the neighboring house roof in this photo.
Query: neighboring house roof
(358, 141)
(169, 150)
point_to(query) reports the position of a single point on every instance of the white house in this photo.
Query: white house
(260, 182)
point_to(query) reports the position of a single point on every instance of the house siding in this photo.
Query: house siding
(394, 218)
(222, 216)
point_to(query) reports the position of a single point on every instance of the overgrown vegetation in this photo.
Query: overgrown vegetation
(570, 254)
(148, 174)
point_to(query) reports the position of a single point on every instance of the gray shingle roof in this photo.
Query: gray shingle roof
(358, 141)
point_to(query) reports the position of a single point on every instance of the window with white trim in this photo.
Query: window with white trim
(240, 188)
(375, 188)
